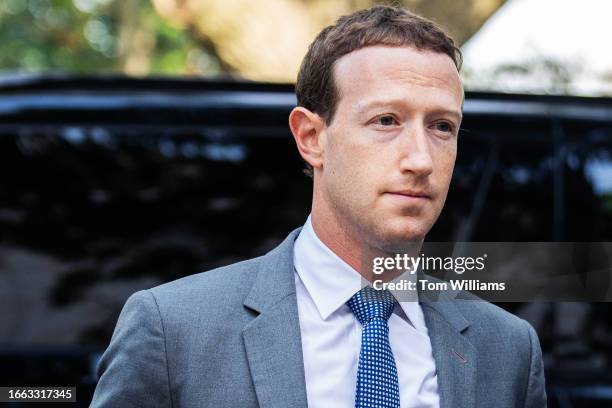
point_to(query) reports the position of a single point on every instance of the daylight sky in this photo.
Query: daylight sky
(574, 32)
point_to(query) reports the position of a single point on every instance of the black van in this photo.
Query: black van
(109, 185)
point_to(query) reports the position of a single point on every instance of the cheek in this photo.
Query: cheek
(350, 168)
(444, 161)
(343, 152)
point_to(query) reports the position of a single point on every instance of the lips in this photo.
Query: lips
(411, 193)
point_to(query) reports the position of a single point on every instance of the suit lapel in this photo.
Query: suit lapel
(454, 354)
(272, 339)
(274, 349)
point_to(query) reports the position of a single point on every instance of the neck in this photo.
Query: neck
(352, 246)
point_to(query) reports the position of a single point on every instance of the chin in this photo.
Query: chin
(397, 234)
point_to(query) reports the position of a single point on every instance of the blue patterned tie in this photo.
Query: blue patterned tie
(377, 384)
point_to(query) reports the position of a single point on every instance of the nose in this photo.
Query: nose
(415, 151)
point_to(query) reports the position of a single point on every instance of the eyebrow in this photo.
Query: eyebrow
(456, 114)
(364, 107)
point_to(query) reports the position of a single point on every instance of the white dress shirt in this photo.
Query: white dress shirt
(331, 335)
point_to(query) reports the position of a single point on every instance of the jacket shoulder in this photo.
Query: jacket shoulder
(225, 278)
(494, 328)
(483, 313)
(215, 292)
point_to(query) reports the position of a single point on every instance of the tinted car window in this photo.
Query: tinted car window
(502, 187)
(588, 180)
(90, 214)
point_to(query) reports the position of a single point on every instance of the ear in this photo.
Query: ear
(307, 128)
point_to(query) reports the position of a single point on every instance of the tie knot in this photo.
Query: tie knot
(369, 303)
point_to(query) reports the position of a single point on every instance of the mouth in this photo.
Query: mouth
(411, 194)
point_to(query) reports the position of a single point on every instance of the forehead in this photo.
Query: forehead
(401, 72)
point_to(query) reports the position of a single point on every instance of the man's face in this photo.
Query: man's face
(389, 152)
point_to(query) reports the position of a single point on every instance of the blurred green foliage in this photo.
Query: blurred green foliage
(87, 36)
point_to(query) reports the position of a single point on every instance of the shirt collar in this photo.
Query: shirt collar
(329, 280)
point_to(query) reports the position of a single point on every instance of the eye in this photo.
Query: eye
(444, 127)
(386, 120)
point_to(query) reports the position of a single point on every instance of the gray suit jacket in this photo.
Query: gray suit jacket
(230, 337)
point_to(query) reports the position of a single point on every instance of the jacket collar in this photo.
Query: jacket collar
(272, 339)
(275, 279)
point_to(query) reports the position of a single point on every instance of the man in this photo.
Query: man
(379, 108)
